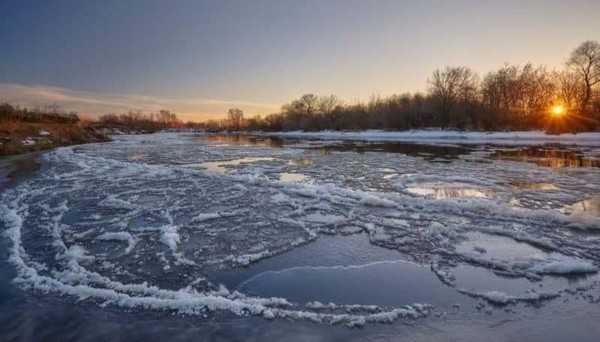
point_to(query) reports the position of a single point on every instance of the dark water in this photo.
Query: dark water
(14, 169)
(437, 153)
(343, 270)
(551, 155)
(245, 140)
(351, 270)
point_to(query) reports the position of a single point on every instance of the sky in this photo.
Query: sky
(200, 58)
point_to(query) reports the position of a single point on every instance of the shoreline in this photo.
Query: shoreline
(18, 137)
(444, 136)
(15, 169)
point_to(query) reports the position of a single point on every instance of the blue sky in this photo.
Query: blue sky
(199, 58)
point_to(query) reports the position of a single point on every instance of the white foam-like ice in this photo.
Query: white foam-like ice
(177, 222)
(77, 282)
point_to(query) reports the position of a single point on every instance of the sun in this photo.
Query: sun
(557, 110)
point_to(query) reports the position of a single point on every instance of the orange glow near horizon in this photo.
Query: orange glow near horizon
(557, 110)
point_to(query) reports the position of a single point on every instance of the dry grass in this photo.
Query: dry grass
(14, 135)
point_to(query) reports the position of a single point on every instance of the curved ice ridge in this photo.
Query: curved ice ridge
(78, 282)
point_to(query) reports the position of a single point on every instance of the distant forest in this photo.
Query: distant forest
(143, 122)
(510, 98)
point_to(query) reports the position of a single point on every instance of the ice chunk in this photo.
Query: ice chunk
(119, 236)
(170, 236)
(563, 267)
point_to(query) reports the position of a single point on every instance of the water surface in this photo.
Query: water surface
(460, 236)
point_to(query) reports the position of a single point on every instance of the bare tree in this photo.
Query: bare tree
(235, 116)
(166, 118)
(327, 105)
(537, 88)
(299, 112)
(500, 88)
(570, 88)
(309, 101)
(585, 59)
(451, 86)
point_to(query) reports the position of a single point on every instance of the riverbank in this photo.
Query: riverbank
(17, 137)
(449, 136)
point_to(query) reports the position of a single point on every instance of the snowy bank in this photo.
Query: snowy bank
(442, 136)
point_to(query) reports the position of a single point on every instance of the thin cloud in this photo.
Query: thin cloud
(94, 104)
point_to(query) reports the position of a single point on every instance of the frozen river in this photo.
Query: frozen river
(245, 237)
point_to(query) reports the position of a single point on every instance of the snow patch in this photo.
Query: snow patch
(28, 142)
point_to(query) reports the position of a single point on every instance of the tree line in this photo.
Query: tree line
(142, 122)
(48, 113)
(511, 97)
